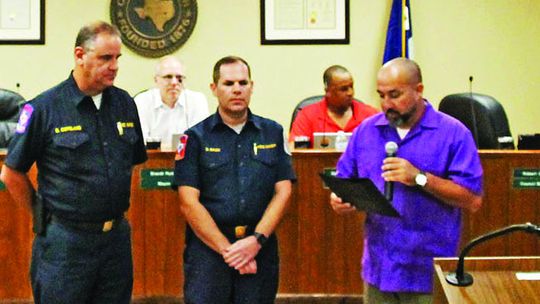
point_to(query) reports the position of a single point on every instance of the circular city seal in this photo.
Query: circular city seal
(153, 28)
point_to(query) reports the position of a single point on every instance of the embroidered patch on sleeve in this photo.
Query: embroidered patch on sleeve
(24, 119)
(181, 149)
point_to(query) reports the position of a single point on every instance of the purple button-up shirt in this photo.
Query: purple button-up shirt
(398, 252)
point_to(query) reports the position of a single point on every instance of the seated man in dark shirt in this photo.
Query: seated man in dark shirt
(337, 111)
(10, 104)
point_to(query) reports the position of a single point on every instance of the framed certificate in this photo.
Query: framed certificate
(22, 21)
(304, 21)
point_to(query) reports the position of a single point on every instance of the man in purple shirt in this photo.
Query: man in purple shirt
(436, 172)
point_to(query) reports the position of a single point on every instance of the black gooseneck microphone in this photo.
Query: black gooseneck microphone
(474, 128)
(460, 277)
(391, 149)
(325, 142)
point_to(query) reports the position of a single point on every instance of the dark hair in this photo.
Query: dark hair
(88, 33)
(329, 73)
(227, 60)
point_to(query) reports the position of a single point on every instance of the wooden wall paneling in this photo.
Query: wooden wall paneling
(523, 207)
(352, 254)
(154, 242)
(174, 246)
(161, 222)
(333, 264)
(320, 251)
(16, 238)
(492, 213)
(287, 234)
(15, 248)
(137, 221)
(311, 222)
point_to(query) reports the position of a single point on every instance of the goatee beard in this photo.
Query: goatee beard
(397, 119)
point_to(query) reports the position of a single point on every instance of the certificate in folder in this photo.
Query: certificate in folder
(360, 192)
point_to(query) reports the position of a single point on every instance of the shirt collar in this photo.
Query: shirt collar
(157, 103)
(254, 120)
(324, 109)
(75, 95)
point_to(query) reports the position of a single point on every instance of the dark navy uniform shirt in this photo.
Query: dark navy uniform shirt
(84, 156)
(235, 173)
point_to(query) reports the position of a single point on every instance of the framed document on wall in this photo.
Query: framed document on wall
(22, 22)
(304, 21)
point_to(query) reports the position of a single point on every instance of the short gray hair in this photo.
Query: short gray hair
(88, 33)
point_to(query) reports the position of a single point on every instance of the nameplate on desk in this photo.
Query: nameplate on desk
(526, 178)
(156, 178)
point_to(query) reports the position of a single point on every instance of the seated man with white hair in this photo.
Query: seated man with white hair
(169, 108)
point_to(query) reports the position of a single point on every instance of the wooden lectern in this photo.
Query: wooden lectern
(495, 280)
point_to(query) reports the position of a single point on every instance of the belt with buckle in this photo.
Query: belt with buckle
(239, 232)
(88, 226)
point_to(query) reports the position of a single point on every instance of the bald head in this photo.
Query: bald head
(399, 84)
(332, 71)
(403, 68)
(167, 61)
(169, 79)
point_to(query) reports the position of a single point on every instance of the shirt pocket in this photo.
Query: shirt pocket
(71, 140)
(129, 136)
(215, 161)
(216, 175)
(267, 157)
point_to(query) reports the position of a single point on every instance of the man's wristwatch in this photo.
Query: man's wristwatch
(421, 179)
(261, 238)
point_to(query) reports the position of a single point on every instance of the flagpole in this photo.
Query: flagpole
(403, 29)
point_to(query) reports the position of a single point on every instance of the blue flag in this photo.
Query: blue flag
(399, 34)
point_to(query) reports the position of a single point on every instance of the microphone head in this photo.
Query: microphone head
(390, 148)
(470, 78)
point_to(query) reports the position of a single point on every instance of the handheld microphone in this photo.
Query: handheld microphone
(460, 277)
(474, 128)
(391, 149)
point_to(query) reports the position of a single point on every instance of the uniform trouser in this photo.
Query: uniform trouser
(72, 266)
(372, 295)
(209, 280)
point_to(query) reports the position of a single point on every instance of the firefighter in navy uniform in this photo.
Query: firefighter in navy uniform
(85, 137)
(234, 181)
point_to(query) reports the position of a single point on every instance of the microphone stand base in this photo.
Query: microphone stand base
(452, 279)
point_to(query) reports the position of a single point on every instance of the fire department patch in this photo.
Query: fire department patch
(24, 118)
(181, 149)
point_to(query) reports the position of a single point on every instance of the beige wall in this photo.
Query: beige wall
(493, 40)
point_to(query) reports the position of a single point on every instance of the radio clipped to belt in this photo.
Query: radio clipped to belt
(40, 215)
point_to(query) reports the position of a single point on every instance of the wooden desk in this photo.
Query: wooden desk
(494, 281)
(320, 251)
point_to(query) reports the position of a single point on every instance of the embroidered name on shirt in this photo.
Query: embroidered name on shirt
(269, 146)
(256, 147)
(121, 125)
(68, 129)
(215, 150)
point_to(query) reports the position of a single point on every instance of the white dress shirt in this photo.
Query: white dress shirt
(160, 121)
